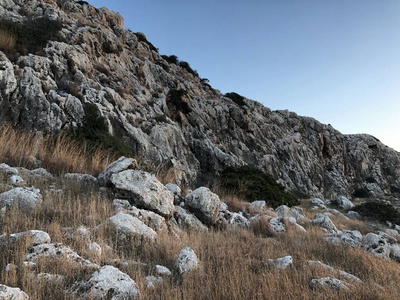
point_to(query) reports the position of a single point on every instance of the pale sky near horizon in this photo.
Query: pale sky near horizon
(336, 61)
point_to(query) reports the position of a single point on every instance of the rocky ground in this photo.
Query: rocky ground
(125, 235)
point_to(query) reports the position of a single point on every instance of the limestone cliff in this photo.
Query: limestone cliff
(167, 114)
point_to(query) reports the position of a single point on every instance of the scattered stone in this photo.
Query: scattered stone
(8, 170)
(33, 237)
(124, 206)
(109, 283)
(9, 293)
(58, 252)
(343, 202)
(24, 198)
(376, 244)
(395, 253)
(204, 204)
(350, 237)
(152, 220)
(85, 180)
(277, 225)
(318, 202)
(354, 215)
(281, 263)
(292, 222)
(286, 212)
(325, 223)
(327, 283)
(145, 191)
(188, 220)
(117, 166)
(223, 207)
(130, 226)
(153, 281)
(16, 180)
(390, 239)
(162, 271)
(187, 261)
(234, 219)
(257, 207)
(42, 173)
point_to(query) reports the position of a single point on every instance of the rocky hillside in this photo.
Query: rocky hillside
(162, 110)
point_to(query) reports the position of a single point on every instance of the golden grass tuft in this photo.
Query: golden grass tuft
(7, 41)
(58, 155)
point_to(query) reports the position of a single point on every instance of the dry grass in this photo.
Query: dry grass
(7, 41)
(58, 155)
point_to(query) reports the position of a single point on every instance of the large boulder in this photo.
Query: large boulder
(376, 244)
(188, 220)
(9, 293)
(187, 261)
(24, 198)
(145, 191)
(343, 202)
(109, 283)
(325, 223)
(117, 166)
(130, 226)
(204, 204)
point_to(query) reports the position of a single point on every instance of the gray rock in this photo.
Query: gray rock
(117, 166)
(42, 173)
(187, 261)
(223, 207)
(85, 180)
(130, 226)
(395, 253)
(162, 271)
(9, 293)
(343, 202)
(24, 198)
(353, 215)
(281, 263)
(152, 281)
(8, 170)
(188, 220)
(152, 220)
(350, 237)
(33, 237)
(376, 244)
(257, 207)
(124, 206)
(390, 239)
(204, 204)
(16, 180)
(327, 283)
(277, 225)
(60, 252)
(145, 191)
(234, 219)
(318, 202)
(175, 190)
(109, 283)
(286, 212)
(325, 223)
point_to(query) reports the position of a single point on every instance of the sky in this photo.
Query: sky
(336, 61)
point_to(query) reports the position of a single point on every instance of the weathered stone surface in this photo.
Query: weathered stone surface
(277, 225)
(188, 220)
(162, 271)
(109, 283)
(281, 263)
(16, 180)
(350, 237)
(9, 293)
(145, 191)
(130, 226)
(175, 190)
(376, 244)
(257, 207)
(233, 219)
(33, 237)
(327, 283)
(8, 170)
(204, 204)
(117, 166)
(286, 212)
(85, 180)
(325, 223)
(152, 281)
(187, 261)
(41, 92)
(343, 202)
(60, 252)
(24, 198)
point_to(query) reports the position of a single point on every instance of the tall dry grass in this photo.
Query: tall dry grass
(58, 155)
(7, 41)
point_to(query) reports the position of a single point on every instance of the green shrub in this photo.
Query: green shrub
(378, 211)
(142, 38)
(185, 65)
(176, 101)
(172, 59)
(254, 184)
(94, 133)
(238, 99)
(361, 193)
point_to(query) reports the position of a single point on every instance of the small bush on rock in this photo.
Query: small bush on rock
(238, 99)
(254, 184)
(361, 193)
(378, 211)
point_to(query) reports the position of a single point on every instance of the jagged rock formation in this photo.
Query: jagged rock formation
(167, 115)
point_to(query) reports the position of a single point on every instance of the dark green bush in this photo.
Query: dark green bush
(361, 193)
(94, 133)
(187, 67)
(172, 59)
(378, 211)
(142, 38)
(254, 184)
(176, 101)
(238, 99)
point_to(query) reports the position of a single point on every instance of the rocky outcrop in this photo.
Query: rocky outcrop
(7, 292)
(168, 116)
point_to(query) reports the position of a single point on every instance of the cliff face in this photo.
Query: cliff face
(167, 115)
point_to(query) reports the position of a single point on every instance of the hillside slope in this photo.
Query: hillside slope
(164, 112)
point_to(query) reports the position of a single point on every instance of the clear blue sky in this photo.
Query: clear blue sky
(335, 60)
